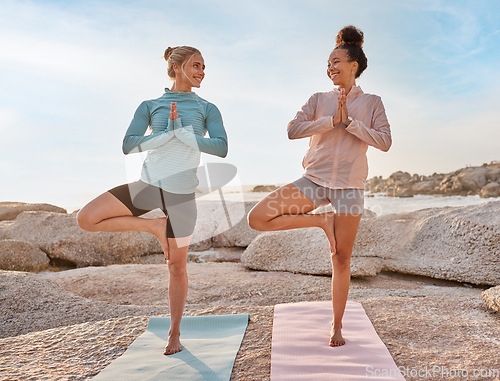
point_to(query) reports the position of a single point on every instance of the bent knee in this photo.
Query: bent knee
(256, 220)
(84, 221)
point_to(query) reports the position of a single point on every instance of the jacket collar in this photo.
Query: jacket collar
(355, 91)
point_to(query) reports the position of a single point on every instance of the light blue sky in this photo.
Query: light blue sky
(73, 72)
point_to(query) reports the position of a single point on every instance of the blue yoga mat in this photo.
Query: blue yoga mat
(210, 345)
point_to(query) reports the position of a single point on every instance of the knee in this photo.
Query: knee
(255, 220)
(84, 221)
(341, 261)
(177, 269)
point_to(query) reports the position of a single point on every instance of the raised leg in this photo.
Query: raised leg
(108, 214)
(288, 208)
(346, 227)
(177, 291)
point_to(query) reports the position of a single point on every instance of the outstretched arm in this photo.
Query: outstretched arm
(135, 141)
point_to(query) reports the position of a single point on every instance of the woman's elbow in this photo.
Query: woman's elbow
(125, 150)
(224, 149)
(291, 134)
(385, 147)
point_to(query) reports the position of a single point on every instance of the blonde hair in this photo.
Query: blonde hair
(178, 55)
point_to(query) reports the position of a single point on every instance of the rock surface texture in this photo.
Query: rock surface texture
(10, 210)
(491, 297)
(72, 324)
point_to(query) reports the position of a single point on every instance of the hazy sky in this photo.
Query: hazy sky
(73, 72)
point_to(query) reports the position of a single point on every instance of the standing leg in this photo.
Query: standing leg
(288, 208)
(346, 227)
(177, 291)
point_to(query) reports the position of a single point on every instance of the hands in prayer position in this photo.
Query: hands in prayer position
(341, 114)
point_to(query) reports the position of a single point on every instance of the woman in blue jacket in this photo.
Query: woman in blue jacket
(178, 120)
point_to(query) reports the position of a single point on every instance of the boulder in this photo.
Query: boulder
(493, 172)
(404, 190)
(399, 177)
(59, 236)
(303, 251)
(264, 188)
(10, 210)
(21, 256)
(222, 225)
(460, 244)
(425, 187)
(491, 297)
(472, 178)
(298, 251)
(374, 183)
(490, 190)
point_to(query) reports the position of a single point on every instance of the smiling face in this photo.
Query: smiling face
(340, 69)
(192, 71)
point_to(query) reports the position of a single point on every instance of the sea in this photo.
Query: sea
(378, 203)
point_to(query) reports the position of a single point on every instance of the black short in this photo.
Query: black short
(141, 198)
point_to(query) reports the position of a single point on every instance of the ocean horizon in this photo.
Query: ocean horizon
(378, 203)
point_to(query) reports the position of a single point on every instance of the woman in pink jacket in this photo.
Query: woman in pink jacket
(340, 125)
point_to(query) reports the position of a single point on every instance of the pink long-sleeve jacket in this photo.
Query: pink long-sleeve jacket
(336, 157)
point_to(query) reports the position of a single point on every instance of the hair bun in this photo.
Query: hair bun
(350, 35)
(168, 53)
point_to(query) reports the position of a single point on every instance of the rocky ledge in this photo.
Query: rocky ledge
(72, 324)
(483, 181)
(453, 243)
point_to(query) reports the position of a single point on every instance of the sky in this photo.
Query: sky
(72, 74)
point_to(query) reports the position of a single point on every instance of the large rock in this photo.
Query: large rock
(302, 251)
(490, 190)
(491, 297)
(461, 244)
(424, 187)
(10, 210)
(222, 225)
(299, 251)
(59, 236)
(22, 256)
(472, 178)
(264, 188)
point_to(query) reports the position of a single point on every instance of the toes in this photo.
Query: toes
(171, 351)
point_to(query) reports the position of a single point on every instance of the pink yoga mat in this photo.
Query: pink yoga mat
(300, 348)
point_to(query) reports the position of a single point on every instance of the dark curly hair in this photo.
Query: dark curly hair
(351, 39)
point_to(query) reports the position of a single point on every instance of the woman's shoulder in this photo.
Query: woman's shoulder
(207, 105)
(368, 95)
(323, 96)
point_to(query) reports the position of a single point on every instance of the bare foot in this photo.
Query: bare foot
(173, 345)
(336, 339)
(160, 232)
(329, 231)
